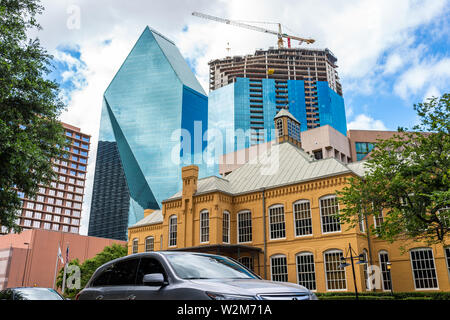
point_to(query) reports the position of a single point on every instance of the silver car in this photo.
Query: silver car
(184, 276)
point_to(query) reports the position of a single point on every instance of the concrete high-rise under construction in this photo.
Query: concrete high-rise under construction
(246, 92)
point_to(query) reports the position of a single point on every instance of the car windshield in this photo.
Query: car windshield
(198, 266)
(36, 294)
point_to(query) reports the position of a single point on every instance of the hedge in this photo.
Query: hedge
(385, 296)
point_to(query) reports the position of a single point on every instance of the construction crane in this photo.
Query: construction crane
(280, 33)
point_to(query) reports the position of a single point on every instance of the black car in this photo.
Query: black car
(30, 294)
(184, 276)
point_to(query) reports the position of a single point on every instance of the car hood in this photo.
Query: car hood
(251, 287)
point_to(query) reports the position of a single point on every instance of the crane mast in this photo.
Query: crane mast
(279, 34)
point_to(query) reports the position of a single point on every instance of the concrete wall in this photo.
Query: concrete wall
(34, 264)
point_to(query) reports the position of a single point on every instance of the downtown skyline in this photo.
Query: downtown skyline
(391, 55)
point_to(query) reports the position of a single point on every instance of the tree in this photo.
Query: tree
(30, 134)
(89, 266)
(408, 179)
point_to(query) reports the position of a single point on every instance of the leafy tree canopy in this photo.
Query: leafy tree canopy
(30, 133)
(408, 179)
(89, 266)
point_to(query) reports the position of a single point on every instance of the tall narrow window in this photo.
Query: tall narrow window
(280, 130)
(149, 244)
(378, 220)
(369, 286)
(226, 227)
(329, 208)
(335, 276)
(362, 223)
(278, 265)
(135, 247)
(423, 268)
(306, 270)
(385, 274)
(277, 223)
(204, 226)
(244, 227)
(302, 218)
(173, 231)
(447, 256)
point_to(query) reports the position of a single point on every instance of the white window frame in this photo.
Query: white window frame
(309, 254)
(300, 202)
(333, 251)
(279, 256)
(384, 252)
(412, 269)
(135, 246)
(246, 212)
(226, 226)
(447, 259)
(204, 226)
(322, 216)
(147, 243)
(283, 222)
(173, 231)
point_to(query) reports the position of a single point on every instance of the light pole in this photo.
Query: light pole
(26, 261)
(361, 260)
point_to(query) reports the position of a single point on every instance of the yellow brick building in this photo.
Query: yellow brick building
(275, 216)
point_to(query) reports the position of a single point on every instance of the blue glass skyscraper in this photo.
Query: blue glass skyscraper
(151, 99)
(247, 92)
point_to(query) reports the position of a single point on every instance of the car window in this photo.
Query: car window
(124, 273)
(119, 274)
(198, 266)
(149, 266)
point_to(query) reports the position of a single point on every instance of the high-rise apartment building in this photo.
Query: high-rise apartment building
(246, 92)
(58, 206)
(153, 99)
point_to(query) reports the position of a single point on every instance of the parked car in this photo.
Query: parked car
(30, 294)
(184, 276)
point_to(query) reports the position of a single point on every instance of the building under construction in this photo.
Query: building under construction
(246, 92)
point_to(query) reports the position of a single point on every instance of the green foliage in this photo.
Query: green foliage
(408, 179)
(385, 296)
(30, 134)
(89, 266)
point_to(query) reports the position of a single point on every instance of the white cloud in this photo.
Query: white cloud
(365, 122)
(430, 75)
(357, 31)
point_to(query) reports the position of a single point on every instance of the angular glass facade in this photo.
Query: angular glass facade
(151, 101)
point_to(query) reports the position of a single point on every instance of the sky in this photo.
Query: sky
(391, 54)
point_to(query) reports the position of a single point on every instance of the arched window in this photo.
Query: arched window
(149, 244)
(302, 218)
(306, 270)
(173, 231)
(135, 246)
(423, 269)
(204, 226)
(385, 273)
(244, 227)
(277, 224)
(329, 208)
(335, 276)
(278, 267)
(226, 227)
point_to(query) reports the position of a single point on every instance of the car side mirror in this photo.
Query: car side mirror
(154, 280)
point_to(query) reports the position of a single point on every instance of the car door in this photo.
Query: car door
(144, 292)
(115, 281)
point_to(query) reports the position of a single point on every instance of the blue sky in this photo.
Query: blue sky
(391, 54)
